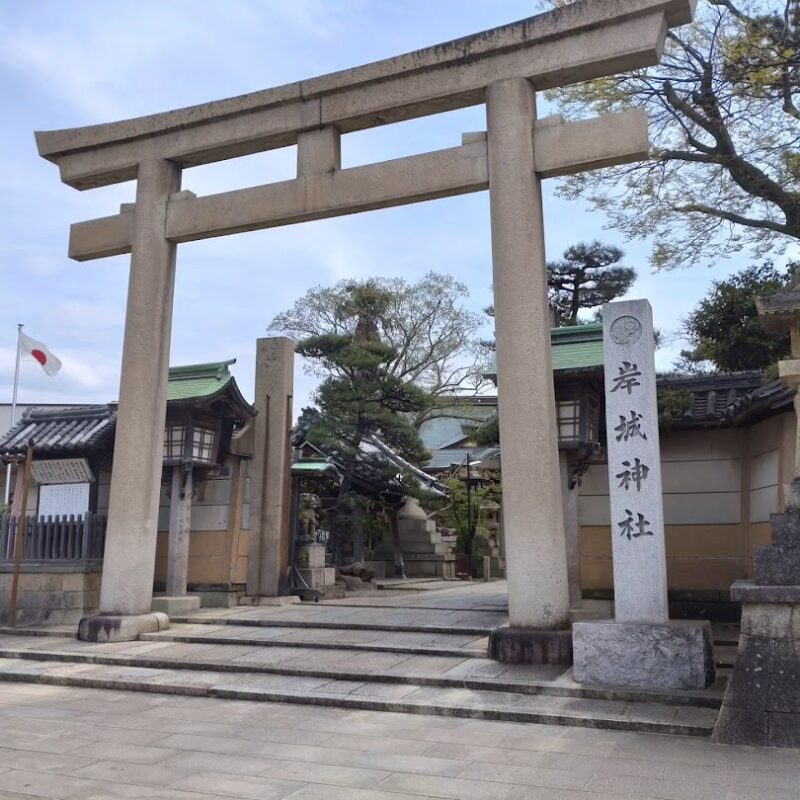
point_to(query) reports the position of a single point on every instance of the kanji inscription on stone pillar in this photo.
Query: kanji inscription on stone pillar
(634, 462)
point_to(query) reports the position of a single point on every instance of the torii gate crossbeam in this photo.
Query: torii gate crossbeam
(503, 68)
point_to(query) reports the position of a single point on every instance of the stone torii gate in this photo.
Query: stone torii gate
(503, 68)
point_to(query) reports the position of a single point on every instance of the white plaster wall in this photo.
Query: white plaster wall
(701, 475)
(764, 486)
(765, 494)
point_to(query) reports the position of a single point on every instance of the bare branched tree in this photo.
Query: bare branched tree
(432, 334)
(724, 172)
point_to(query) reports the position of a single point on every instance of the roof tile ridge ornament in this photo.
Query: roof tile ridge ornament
(100, 410)
(210, 369)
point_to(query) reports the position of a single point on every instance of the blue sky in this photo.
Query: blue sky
(90, 61)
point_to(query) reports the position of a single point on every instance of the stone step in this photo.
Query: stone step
(411, 644)
(356, 666)
(437, 548)
(294, 622)
(434, 644)
(612, 714)
(414, 535)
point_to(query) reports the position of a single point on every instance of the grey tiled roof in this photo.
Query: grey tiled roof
(724, 400)
(447, 457)
(451, 424)
(377, 466)
(61, 431)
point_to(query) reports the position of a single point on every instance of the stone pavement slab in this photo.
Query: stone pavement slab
(335, 753)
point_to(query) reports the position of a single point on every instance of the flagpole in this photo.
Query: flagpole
(13, 410)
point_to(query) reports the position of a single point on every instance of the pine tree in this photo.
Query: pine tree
(587, 277)
(360, 398)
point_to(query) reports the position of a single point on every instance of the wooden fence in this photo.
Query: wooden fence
(59, 539)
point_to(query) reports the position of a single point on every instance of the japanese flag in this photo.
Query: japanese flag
(50, 364)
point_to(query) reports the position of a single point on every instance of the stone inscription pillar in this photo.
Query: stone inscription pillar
(268, 543)
(641, 648)
(129, 562)
(533, 518)
(634, 463)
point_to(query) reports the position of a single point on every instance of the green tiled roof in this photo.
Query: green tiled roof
(198, 381)
(577, 347)
(574, 347)
(201, 384)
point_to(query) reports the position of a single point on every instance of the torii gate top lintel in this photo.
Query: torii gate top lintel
(614, 35)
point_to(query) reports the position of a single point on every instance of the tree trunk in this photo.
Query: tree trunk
(341, 514)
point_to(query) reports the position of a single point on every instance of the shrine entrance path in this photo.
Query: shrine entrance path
(94, 744)
(421, 652)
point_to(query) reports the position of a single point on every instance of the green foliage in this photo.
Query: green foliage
(672, 405)
(360, 397)
(587, 277)
(468, 516)
(429, 336)
(724, 329)
(723, 110)
(488, 433)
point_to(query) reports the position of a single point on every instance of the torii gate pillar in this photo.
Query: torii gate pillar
(538, 594)
(126, 591)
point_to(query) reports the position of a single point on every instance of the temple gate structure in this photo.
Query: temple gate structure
(502, 68)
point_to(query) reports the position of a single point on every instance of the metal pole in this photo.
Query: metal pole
(13, 412)
(22, 530)
(469, 514)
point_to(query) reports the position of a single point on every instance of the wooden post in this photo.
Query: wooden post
(86, 537)
(21, 531)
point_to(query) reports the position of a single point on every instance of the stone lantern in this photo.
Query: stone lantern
(762, 701)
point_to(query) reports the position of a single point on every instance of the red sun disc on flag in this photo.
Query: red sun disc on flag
(39, 356)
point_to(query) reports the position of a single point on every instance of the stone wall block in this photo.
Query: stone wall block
(42, 600)
(794, 624)
(784, 682)
(70, 581)
(770, 621)
(783, 730)
(74, 599)
(741, 726)
(749, 684)
(35, 616)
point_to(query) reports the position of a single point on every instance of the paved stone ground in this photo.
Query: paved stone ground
(73, 743)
